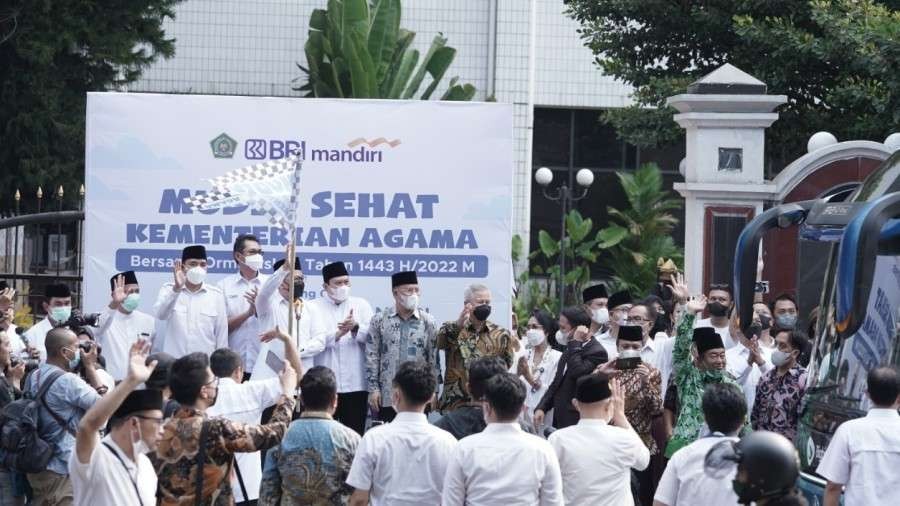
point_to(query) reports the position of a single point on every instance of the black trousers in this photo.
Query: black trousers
(352, 409)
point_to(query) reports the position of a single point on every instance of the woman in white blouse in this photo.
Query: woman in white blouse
(537, 364)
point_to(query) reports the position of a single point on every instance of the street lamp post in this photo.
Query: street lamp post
(566, 197)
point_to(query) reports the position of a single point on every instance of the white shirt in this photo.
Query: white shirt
(245, 402)
(864, 455)
(724, 332)
(193, 321)
(747, 376)
(544, 373)
(117, 332)
(403, 462)
(503, 465)
(107, 481)
(346, 356)
(37, 334)
(309, 326)
(245, 339)
(596, 459)
(609, 344)
(685, 482)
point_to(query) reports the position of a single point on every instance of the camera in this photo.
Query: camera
(79, 319)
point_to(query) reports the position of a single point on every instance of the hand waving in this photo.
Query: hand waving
(680, 290)
(7, 296)
(118, 294)
(697, 304)
(138, 370)
(178, 273)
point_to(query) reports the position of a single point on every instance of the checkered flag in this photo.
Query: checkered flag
(271, 187)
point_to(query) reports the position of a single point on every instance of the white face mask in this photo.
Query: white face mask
(339, 294)
(196, 275)
(139, 447)
(535, 337)
(562, 339)
(254, 262)
(600, 315)
(779, 358)
(410, 302)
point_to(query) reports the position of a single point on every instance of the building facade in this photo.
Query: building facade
(527, 53)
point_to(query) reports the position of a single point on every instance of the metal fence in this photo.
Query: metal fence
(42, 247)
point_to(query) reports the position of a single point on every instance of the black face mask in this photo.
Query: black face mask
(298, 289)
(482, 312)
(716, 309)
(659, 325)
(765, 322)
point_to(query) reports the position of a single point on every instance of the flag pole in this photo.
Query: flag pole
(292, 256)
(291, 261)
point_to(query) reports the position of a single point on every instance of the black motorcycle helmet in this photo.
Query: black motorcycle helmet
(767, 465)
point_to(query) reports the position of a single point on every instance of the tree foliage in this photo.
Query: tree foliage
(52, 52)
(836, 61)
(640, 234)
(355, 50)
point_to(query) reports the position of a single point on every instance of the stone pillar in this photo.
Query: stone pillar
(725, 115)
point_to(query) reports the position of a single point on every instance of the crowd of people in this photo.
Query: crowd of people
(246, 392)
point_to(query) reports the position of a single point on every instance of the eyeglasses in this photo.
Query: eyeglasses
(158, 420)
(636, 319)
(214, 380)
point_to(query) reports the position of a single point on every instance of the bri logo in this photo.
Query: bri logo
(357, 150)
(274, 149)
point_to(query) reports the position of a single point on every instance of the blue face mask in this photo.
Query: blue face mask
(131, 302)
(61, 314)
(74, 361)
(786, 321)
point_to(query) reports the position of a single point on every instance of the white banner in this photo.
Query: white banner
(386, 186)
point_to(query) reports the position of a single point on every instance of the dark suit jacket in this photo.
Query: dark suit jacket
(578, 360)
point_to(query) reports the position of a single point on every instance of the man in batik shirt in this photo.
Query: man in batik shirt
(779, 392)
(467, 339)
(312, 463)
(692, 379)
(190, 437)
(396, 335)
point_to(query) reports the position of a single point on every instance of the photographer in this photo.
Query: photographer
(102, 381)
(58, 308)
(66, 400)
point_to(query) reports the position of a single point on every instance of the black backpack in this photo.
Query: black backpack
(21, 447)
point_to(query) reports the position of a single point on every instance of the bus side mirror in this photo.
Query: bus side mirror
(747, 251)
(874, 231)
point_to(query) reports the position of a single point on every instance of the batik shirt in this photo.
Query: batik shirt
(777, 406)
(642, 402)
(175, 459)
(462, 346)
(691, 382)
(391, 341)
(311, 465)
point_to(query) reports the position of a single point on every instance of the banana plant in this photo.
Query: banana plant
(358, 50)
